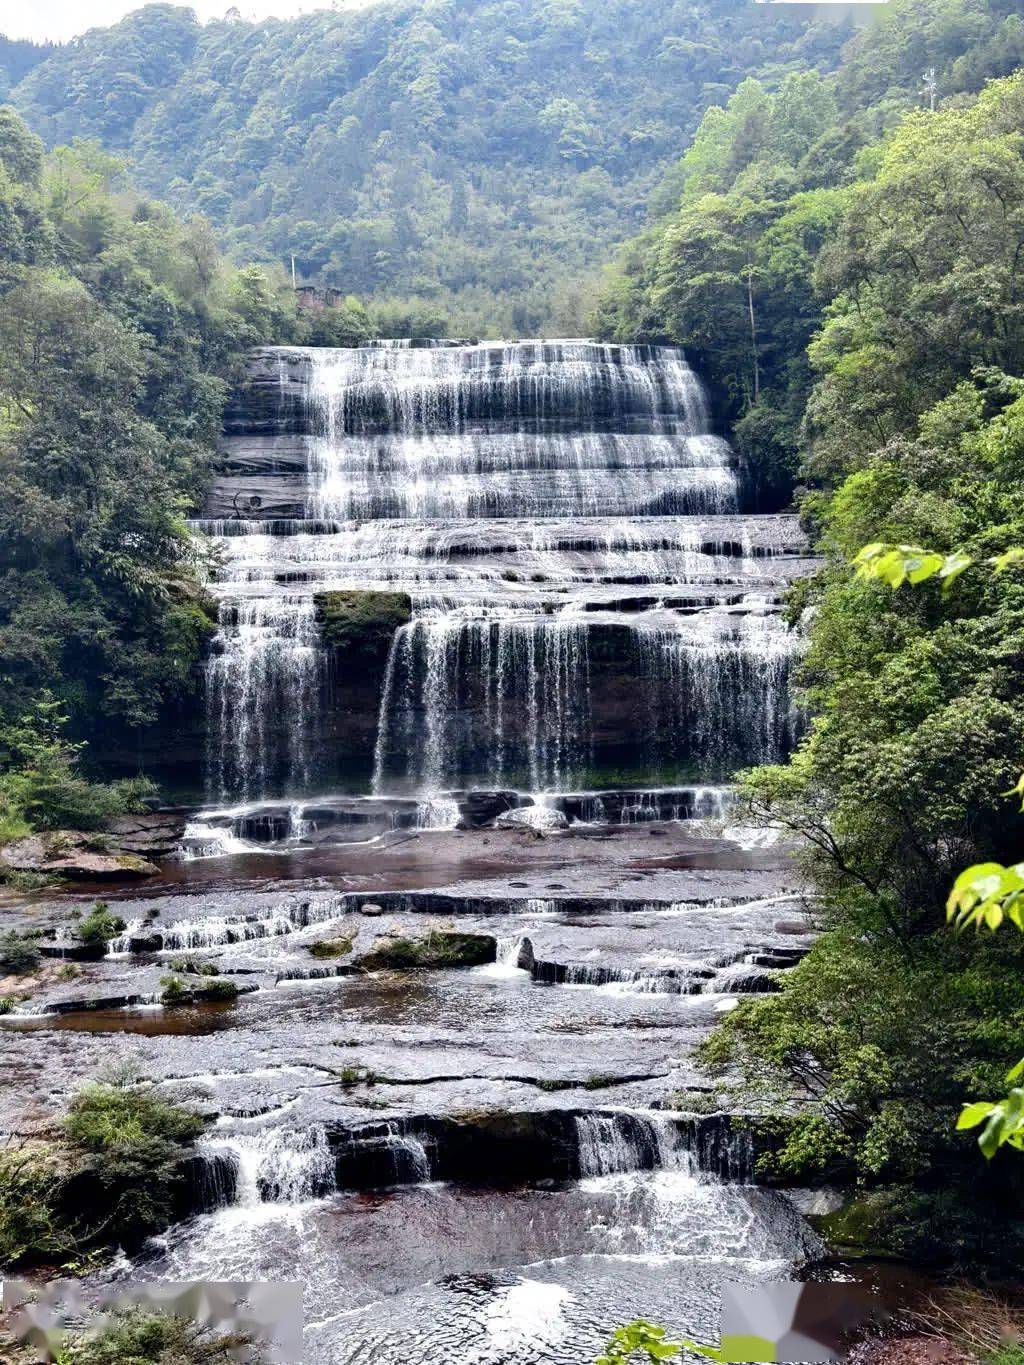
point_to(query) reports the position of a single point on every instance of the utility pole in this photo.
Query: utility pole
(929, 87)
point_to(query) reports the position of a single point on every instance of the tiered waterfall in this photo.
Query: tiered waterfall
(593, 601)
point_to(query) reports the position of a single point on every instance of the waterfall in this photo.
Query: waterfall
(586, 593)
(281, 1165)
(502, 701)
(609, 1144)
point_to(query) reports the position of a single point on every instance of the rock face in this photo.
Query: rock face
(77, 856)
(154, 834)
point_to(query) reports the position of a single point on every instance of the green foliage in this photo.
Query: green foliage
(174, 992)
(18, 953)
(360, 625)
(823, 286)
(221, 989)
(474, 162)
(121, 329)
(99, 926)
(130, 1142)
(643, 1340)
(439, 948)
(136, 1337)
(42, 787)
(331, 947)
(636, 1337)
(29, 1226)
(194, 966)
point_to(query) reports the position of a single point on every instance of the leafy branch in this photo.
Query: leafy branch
(985, 894)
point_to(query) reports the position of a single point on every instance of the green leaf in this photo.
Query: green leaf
(973, 1114)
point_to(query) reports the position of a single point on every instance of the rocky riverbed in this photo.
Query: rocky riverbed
(519, 1150)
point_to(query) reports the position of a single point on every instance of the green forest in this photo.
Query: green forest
(828, 217)
(475, 161)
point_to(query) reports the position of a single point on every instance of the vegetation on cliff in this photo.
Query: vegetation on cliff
(110, 1177)
(121, 328)
(360, 625)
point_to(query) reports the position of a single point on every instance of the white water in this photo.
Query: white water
(539, 502)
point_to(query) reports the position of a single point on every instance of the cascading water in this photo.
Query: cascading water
(585, 592)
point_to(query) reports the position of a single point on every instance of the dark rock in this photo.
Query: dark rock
(155, 834)
(145, 943)
(480, 808)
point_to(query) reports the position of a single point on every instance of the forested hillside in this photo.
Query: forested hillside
(852, 281)
(481, 157)
(121, 329)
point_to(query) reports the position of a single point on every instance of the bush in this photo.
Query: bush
(18, 953)
(440, 948)
(362, 623)
(331, 947)
(29, 1226)
(175, 992)
(43, 789)
(99, 926)
(220, 990)
(141, 1338)
(194, 966)
(131, 1142)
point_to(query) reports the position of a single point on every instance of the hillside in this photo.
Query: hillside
(491, 152)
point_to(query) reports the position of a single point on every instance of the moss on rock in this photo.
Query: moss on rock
(362, 624)
(440, 948)
(331, 947)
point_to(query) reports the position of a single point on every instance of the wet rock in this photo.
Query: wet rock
(371, 908)
(540, 818)
(525, 960)
(793, 926)
(480, 808)
(145, 943)
(745, 979)
(77, 856)
(155, 834)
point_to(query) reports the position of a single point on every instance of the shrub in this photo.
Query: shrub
(220, 990)
(142, 1338)
(194, 966)
(439, 949)
(175, 992)
(43, 788)
(29, 1226)
(131, 1142)
(331, 947)
(18, 953)
(6, 1004)
(99, 926)
(362, 623)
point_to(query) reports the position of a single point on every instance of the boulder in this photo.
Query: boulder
(543, 819)
(156, 834)
(77, 856)
(480, 808)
